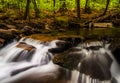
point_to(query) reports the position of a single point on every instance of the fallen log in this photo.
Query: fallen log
(102, 18)
(101, 25)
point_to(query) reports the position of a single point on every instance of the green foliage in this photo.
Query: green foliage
(48, 5)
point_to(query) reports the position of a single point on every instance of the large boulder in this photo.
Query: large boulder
(87, 59)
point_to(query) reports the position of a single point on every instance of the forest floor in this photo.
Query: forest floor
(51, 25)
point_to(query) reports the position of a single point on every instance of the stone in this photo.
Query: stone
(6, 34)
(3, 26)
(25, 46)
(27, 30)
(61, 46)
(2, 41)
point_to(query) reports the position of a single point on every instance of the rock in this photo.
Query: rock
(115, 48)
(11, 26)
(46, 31)
(73, 40)
(4, 26)
(6, 34)
(116, 22)
(93, 63)
(27, 30)
(25, 46)
(37, 25)
(2, 41)
(61, 46)
(26, 54)
(68, 59)
(20, 25)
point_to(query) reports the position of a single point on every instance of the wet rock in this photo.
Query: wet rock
(27, 30)
(115, 48)
(74, 41)
(61, 46)
(25, 46)
(94, 62)
(2, 41)
(26, 54)
(68, 59)
(6, 34)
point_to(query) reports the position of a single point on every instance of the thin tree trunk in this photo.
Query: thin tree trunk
(26, 14)
(78, 8)
(107, 4)
(86, 6)
(54, 2)
(36, 9)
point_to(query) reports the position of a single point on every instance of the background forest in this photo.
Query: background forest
(46, 8)
(60, 17)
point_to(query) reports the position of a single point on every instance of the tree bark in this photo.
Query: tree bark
(107, 4)
(78, 8)
(26, 14)
(86, 6)
(36, 9)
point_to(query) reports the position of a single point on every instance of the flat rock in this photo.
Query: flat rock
(25, 46)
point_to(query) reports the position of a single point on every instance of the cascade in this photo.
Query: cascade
(30, 61)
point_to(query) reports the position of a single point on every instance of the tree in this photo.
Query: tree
(26, 14)
(36, 9)
(107, 4)
(78, 8)
(87, 7)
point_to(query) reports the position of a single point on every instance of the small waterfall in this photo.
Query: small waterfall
(97, 57)
(24, 54)
(30, 61)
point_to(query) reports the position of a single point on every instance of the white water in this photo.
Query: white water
(115, 68)
(42, 58)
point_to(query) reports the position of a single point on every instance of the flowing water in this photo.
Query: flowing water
(29, 61)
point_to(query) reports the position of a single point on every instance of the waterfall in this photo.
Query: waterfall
(30, 61)
(92, 51)
(14, 57)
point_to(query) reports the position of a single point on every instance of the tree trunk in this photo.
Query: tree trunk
(54, 2)
(107, 4)
(86, 6)
(78, 8)
(26, 14)
(36, 9)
